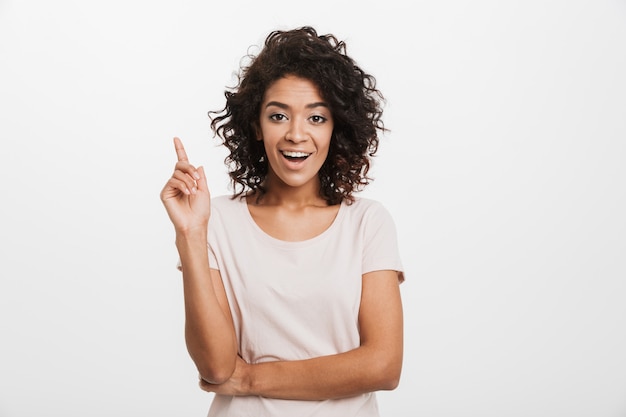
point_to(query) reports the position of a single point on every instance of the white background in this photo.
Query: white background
(504, 170)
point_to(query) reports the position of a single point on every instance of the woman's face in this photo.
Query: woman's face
(295, 126)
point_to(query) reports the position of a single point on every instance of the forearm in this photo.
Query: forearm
(375, 365)
(209, 333)
(355, 372)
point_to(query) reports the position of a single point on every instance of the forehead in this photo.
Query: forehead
(292, 88)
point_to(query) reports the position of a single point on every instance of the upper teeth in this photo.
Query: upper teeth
(295, 154)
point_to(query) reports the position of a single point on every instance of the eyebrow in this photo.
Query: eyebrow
(286, 106)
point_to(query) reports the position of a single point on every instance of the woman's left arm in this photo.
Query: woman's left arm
(375, 365)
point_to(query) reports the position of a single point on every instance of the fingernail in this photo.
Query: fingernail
(196, 175)
(193, 190)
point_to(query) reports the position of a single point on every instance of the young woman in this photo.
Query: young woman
(295, 308)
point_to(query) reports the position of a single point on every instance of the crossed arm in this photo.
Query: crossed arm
(374, 365)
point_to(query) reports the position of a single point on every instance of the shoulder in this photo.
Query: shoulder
(368, 215)
(225, 202)
(367, 208)
(224, 207)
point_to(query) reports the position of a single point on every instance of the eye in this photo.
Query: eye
(278, 117)
(317, 119)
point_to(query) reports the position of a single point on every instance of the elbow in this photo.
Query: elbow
(216, 373)
(214, 364)
(390, 383)
(388, 374)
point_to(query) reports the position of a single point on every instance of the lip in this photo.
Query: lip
(295, 151)
(294, 164)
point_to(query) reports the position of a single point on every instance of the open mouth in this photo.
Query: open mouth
(295, 156)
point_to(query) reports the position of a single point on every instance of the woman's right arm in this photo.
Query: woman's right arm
(209, 330)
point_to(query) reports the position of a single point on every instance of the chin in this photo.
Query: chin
(292, 182)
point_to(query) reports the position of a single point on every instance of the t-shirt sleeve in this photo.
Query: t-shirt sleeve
(381, 251)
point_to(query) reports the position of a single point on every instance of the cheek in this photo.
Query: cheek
(270, 133)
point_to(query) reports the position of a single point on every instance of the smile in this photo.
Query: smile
(295, 155)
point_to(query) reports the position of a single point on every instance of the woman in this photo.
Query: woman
(295, 309)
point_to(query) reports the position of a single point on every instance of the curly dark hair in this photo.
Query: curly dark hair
(354, 101)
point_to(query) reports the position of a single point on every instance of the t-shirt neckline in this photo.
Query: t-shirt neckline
(243, 204)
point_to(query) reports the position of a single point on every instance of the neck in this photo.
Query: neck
(280, 194)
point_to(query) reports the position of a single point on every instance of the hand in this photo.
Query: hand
(186, 195)
(238, 384)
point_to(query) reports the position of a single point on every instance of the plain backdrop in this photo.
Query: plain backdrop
(503, 168)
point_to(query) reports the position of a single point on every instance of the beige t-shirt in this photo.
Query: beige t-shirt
(298, 300)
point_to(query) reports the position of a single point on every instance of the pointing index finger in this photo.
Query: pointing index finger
(180, 150)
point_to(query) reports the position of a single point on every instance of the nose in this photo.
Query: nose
(297, 132)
